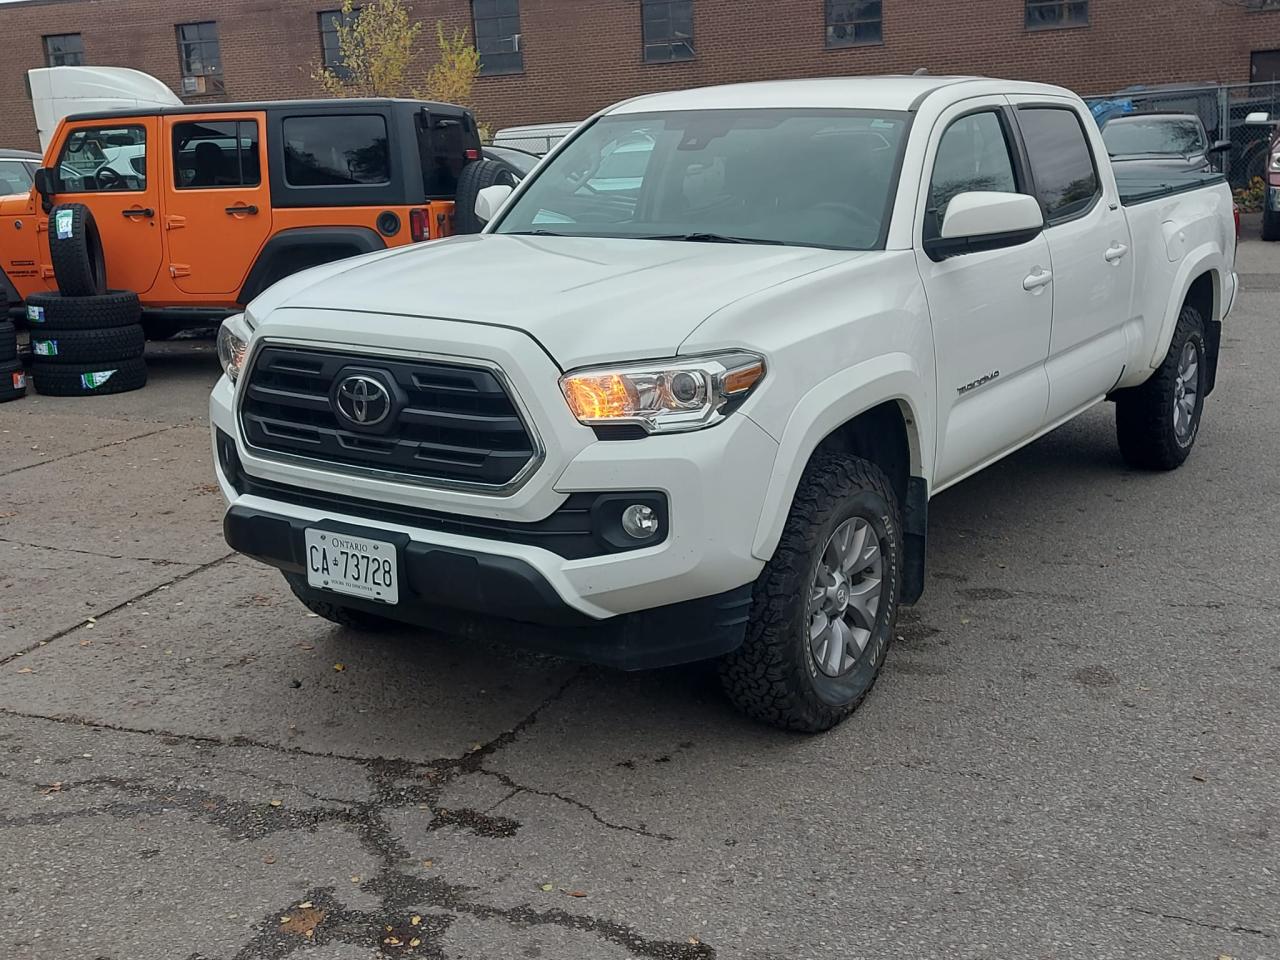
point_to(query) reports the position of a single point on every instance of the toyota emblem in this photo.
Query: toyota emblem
(362, 400)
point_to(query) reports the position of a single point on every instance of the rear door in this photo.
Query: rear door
(1089, 245)
(113, 168)
(218, 203)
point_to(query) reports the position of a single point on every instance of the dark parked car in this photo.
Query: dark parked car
(1161, 142)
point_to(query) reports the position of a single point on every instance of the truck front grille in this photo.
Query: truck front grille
(447, 422)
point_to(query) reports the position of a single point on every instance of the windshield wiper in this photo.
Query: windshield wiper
(537, 233)
(714, 238)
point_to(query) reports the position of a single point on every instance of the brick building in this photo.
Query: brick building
(548, 60)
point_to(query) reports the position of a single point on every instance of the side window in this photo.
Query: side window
(221, 153)
(1061, 162)
(103, 159)
(335, 151)
(973, 155)
(15, 176)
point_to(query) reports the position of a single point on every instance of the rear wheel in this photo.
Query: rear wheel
(1158, 421)
(325, 605)
(824, 608)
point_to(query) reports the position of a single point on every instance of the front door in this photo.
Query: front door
(113, 168)
(218, 209)
(991, 310)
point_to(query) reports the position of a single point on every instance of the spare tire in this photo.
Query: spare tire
(88, 346)
(87, 380)
(75, 247)
(13, 382)
(54, 311)
(475, 177)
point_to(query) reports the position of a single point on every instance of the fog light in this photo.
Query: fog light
(640, 521)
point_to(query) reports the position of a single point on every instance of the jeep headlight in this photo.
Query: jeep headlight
(666, 396)
(233, 345)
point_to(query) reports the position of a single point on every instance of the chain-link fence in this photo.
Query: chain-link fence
(1223, 108)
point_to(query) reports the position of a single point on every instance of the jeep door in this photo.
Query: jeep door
(992, 310)
(218, 201)
(113, 168)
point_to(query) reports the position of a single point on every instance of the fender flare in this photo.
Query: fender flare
(832, 403)
(291, 251)
(1204, 259)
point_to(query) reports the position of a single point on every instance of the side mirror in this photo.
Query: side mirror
(490, 199)
(985, 220)
(46, 185)
(1221, 146)
(1258, 116)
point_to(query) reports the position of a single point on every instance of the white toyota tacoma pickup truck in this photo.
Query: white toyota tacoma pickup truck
(694, 405)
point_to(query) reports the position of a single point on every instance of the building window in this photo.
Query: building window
(200, 58)
(330, 48)
(497, 29)
(1047, 14)
(668, 30)
(853, 22)
(64, 50)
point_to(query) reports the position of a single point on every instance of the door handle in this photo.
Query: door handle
(1116, 254)
(145, 212)
(248, 208)
(1037, 280)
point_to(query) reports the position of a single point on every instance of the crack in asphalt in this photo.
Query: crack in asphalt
(394, 785)
(1191, 921)
(81, 453)
(518, 788)
(93, 553)
(187, 575)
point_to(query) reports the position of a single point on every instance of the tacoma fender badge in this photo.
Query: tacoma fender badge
(981, 381)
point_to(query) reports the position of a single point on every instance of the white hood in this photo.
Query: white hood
(585, 300)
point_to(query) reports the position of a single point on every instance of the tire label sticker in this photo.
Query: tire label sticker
(91, 381)
(62, 221)
(19, 380)
(45, 348)
(35, 314)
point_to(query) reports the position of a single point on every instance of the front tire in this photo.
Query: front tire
(1158, 421)
(824, 608)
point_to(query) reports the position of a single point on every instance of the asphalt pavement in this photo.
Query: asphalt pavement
(1074, 749)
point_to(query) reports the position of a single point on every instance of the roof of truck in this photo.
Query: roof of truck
(346, 105)
(902, 93)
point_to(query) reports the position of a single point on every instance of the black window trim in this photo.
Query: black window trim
(1051, 222)
(670, 42)
(105, 125)
(248, 118)
(1064, 25)
(1013, 142)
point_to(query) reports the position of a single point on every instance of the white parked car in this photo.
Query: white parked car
(702, 414)
(537, 138)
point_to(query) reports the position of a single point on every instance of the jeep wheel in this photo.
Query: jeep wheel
(1157, 422)
(824, 608)
(324, 605)
(75, 247)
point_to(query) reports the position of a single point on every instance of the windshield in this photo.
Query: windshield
(820, 178)
(1153, 136)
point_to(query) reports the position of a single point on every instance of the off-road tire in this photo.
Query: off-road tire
(8, 342)
(475, 177)
(1270, 225)
(323, 605)
(79, 265)
(53, 311)
(1144, 414)
(13, 381)
(88, 347)
(771, 676)
(88, 380)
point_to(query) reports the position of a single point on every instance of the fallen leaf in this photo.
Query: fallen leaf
(477, 747)
(55, 787)
(339, 667)
(427, 863)
(548, 887)
(393, 941)
(304, 904)
(575, 893)
(415, 942)
(303, 921)
(415, 920)
(1199, 779)
(276, 803)
(26, 670)
(269, 859)
(355, 879)
(694, 940)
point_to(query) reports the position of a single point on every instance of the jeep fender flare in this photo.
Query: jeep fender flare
(832, 403)
(296, 249)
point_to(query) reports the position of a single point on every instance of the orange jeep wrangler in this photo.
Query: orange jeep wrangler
(199, 209)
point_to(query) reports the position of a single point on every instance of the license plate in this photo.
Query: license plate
(356, 566)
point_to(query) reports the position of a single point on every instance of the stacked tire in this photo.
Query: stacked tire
(85, 339)
(13, 379)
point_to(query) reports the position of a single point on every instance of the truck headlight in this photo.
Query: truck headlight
(666, 396)
(233, 345)
(1275, 162)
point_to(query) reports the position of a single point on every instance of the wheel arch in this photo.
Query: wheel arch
(1199, 276)
(294, 250)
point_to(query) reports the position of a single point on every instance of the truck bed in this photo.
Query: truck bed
(1143, 186)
